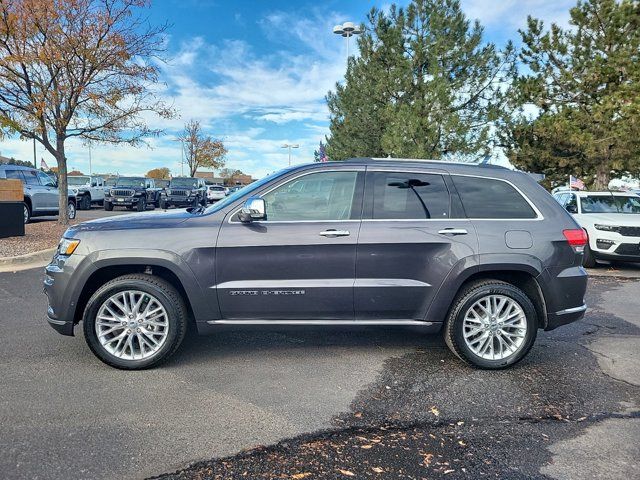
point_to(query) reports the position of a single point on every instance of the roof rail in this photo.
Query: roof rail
(422, 160)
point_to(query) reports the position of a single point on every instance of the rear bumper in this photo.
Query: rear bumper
(563, 289)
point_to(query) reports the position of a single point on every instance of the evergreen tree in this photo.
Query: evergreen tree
(580, 95)
(425, 86)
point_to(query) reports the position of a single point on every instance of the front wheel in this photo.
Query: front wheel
(108, 206)
(85, 203)
(135, 321)
(26, 210)
(491, 325)
(142, 205)
(71, 210)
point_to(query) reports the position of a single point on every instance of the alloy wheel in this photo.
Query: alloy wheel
(495, 327)
(132, 325)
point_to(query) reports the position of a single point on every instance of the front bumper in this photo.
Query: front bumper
(607, 245)
(123, 201)
(179, 201)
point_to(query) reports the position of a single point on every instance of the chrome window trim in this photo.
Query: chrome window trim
(355, 169)
(417, 169)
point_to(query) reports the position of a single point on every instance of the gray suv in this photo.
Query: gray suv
(481, 253)
(40, 192)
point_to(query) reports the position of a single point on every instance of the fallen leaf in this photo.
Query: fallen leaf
(435, 411)
(448, 471)
(366, 447)
(348, 473)
(297, 476)
(357, 414)
(377, 469)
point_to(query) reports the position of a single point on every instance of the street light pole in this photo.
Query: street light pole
(347, 30)
(290, 146)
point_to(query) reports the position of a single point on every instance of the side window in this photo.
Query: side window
(561, 198)
(491, 198)
(30, 177)
(46, 180)
(17, 174)
(408, 195)
(317, 196)
(571, 204)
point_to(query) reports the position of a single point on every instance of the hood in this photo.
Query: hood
(142, 220)
(620, 219)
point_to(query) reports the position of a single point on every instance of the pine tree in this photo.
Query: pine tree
(424, 86)
(580, 95)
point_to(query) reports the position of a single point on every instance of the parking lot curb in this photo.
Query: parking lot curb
(24, 262)
(601, 272)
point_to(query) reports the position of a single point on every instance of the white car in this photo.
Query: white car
(87, 189)
(215, 193)
(612, 223)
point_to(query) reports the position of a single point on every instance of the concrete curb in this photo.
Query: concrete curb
(24, 262)
(609, 272)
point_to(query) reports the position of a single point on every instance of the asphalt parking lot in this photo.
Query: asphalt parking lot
(372, 402)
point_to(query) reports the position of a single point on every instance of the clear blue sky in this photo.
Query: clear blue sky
(255, 74)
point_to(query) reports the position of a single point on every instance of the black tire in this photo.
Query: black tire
(203, 201)
(142, 205)
(108, 206)
(164, 292)
(27, 212)
(163, 204)
(72, 209)
(453, 329)
(85, 203)
(196, 202)
(588, 260)
(152, 205)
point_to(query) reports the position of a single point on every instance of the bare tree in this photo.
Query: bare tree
(78, 68)
(200, 149)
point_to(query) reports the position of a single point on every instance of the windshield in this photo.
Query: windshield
(217, 189)
(77, 180)
(610, 204)
(130, 182)
(246, 190)
(184, 182)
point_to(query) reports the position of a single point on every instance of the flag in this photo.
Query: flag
(43, 164)
(576, 183)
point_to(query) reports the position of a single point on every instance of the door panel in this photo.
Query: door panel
(401, 261)
(299, 264)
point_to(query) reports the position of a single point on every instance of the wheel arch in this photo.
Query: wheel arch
(170, 270)
(522, 276)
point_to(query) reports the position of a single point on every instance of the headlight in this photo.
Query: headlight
(67, 246)
(607, 228)
(75, 191)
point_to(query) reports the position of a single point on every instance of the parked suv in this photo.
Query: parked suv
(184, 192)
(132, 192)
(482, 253)
(40, 192)
(611, 221)
(88, 190)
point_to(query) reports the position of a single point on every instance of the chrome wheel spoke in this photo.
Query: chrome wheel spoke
(494, 327)
(132, 325)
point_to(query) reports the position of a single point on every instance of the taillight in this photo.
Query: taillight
(577, 238)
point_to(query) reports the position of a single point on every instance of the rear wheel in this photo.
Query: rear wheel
(26, 209)
(491, 325)
(135, 321)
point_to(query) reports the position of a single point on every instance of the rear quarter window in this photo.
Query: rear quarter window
(491, 198)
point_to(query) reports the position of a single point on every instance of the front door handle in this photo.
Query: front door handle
(335, 233)
(453, 231)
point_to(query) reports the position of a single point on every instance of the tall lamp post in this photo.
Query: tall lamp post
(347, 30)
(290, 146)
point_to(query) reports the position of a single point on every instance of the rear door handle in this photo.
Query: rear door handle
(335, 233)
(453, 231)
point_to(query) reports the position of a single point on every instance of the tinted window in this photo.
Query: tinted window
(407, 195)
(17, 174)
(571, 204)
(46, 180)
(317, 196)
(489, 198)
(31, 177)
(610, 204)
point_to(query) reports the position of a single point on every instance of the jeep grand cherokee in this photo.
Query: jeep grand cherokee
(483, 254)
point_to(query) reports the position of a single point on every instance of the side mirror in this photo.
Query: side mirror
(253, 209)
(572, 208)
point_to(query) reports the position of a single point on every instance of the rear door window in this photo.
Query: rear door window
(491, 198)
(407, 195)
(15, 174)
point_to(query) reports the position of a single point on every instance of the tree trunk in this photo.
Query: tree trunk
(603, 176)
(63, 198)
